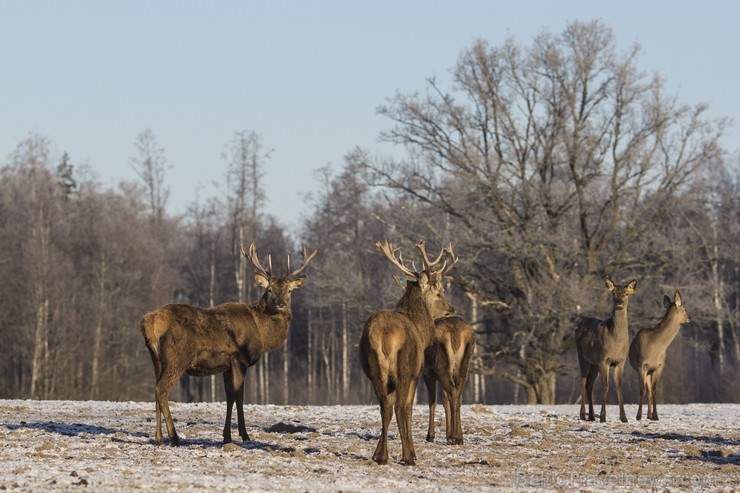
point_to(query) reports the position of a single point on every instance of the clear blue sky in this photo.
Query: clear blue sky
(306, 75)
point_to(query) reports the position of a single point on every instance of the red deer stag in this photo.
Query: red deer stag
(648, 350)
(225, 339)
(447, 362)
(393, 343)
(602, 344)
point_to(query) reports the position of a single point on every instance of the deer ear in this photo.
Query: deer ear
(609, 283)
(400, 281)
(677, 298)
(261, 279)
(667, 301)
(298, 282)
(632, 286)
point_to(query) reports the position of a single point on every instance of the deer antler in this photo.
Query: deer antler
(390, 254)
(428, 265)
(306, 259)
(455, 258)
(252, 256)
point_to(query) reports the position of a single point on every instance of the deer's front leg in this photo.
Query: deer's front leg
(618, 372)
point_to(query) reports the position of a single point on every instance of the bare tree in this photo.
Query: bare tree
(554, 161)
(150, 166)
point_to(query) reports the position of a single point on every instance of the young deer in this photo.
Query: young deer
(648, 350)
(447, 362)
(602, 344)
(393, 343)
(225, 339)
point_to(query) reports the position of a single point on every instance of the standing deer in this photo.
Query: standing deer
(225, 339)
(447, 362)
(648, 350)
(393, 343)
(602, 344)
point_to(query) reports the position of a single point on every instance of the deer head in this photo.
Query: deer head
(429, 280)
(678, 307)
(277, 289)
(620, 293)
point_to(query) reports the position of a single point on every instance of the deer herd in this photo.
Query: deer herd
(420, 337)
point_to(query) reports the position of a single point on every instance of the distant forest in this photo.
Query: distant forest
(547, 166)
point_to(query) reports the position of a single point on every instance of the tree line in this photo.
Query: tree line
(547, 165)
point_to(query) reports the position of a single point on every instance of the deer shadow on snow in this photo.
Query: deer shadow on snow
(715, 456)
(71, 429)
(280, 428)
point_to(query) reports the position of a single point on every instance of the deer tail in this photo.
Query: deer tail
(147, 325)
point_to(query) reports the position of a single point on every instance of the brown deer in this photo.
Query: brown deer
(447, 362)
(603, 344)
(648, 350)
(225, 339)
(393, 343)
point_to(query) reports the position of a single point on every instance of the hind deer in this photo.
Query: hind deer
(648, 350)
(225, 339)
(393, 343)
(447, 362)
(602, 344)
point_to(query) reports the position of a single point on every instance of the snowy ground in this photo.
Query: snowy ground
(109, 446)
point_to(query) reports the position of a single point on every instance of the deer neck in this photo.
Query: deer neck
(412, 304)
(620, 321)
(667, 329)
(272, 327)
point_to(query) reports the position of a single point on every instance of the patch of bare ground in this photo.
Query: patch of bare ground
(109, 446)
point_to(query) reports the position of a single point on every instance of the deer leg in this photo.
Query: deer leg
(656, 378)
(642, 374)
(386, 394)
(649, 390)
(404, 408)
(618, 372)
(593, 372)
(454, 435)
(161, 393)
(431, 384)
(230, 393)
(604, 370)
(459, 386)
(239, 398)
(585, 367)
(449, 415)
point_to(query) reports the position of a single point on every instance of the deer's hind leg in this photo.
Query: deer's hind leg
(385, 391)
(656, 378)
(604, 370)
(588, 385)
(643, 376)
(404, 412)
(431, 384)
(166, 381)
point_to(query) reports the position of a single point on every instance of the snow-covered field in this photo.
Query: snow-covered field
(109, 446)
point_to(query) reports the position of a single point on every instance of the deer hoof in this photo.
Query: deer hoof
(408, 462)
(430, 438)
(380, 460)
(454, 441)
